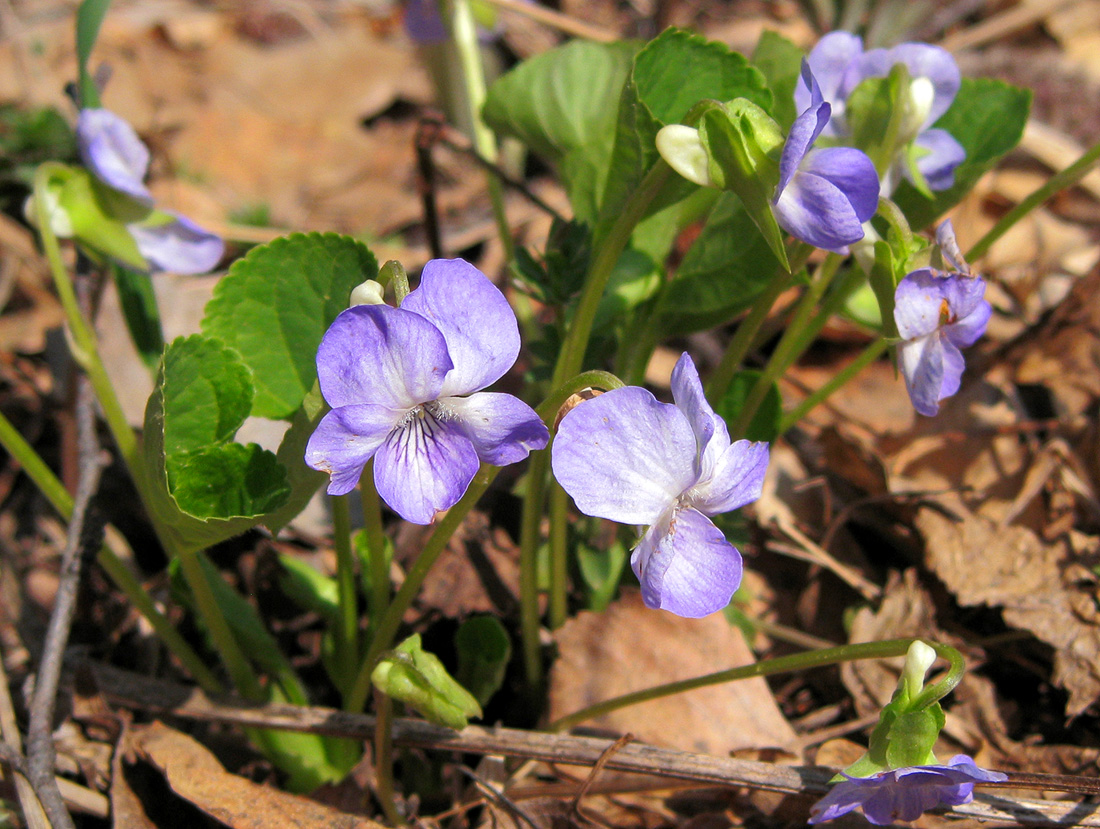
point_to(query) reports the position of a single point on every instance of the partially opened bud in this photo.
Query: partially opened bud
(682, 148)
(367, 293)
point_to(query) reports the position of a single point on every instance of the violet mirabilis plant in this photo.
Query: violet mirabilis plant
(405, 388)
(627, 457)
(840, 64)
(937, 314)
(113, 153)
(824, 195)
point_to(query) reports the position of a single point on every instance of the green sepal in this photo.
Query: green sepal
(743, 144)
(875, 111)
(99, 215)
(417, 678)
(912, 737)
(483, 650)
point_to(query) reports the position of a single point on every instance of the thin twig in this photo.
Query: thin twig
(427, 134)
(609, 752)
(85, 534)
(124, 688)
(29, 803)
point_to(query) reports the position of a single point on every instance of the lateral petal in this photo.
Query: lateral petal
(180, 246)
(345, 439)
(735, 478)
(502, 428)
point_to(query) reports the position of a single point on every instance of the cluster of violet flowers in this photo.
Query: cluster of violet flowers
(406, 384)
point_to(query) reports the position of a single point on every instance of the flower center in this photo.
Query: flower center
(946, 316)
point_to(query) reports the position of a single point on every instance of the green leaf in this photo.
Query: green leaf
(483, 652)
(562, 104)
(670, 76)
(227, 481)
(780, 61)
(417, 678)
(308, 588)
(203, 487)
(987, 118)
(275, 305)
(765, 423)
(602, 571)
(729, 264)
(89, 17)
(139, 309)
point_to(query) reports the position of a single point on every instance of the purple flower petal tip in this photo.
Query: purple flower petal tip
(393, 376)
(111, 149)
(628, 457)
(905, 794)
(937, 314)
(180, 246)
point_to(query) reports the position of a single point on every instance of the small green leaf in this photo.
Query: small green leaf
(987, 118)
(139, 309)
(89, 17)
(308, 588)
(483, 652)
(99, 216)
(417, 678)
(602, 570)
(780, 61)
(724, 270)
(765, 423)
(275, 305)
(207, 394)
(227, 481)
(563, 105)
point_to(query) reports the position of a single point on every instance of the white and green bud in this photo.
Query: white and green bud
(367, 293)
(682, 149)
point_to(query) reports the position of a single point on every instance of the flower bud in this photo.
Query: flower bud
(367, 293)
(682, 148)
(917, 662)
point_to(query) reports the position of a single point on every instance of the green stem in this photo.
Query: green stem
(376, 544)
(559, 556)
(383, 758)
(391, 619)
(1058, 182)
(787, 351)
(394, 273)
(86, 351)
(768, 667)
(464, 34)
(954, 675)
(867, 356)
(115, 567)
(347, 632)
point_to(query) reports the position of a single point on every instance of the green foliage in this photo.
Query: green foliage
(483, 650)
(204, 487)
(276, 303)
(780, 61)
(562, 104)
(138, 301)
(417, 678)
(601, 570)
(765, 423)
(89, 17)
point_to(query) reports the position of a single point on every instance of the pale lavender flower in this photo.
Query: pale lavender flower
(113, 153)
(905, 794)
(937, 313)
(627, 457)
(840, 65)
(824, 196)
(395, 378)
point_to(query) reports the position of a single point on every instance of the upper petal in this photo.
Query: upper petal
(378, 354)
(111, 149)
(923, 60)
(686, 566)
(687, 391)
(502, 428)
(816, 211)
(345, 440)
(624, 456)
(733, 478)
(804, 132)
(475, 319)
(831, 61)
(180, 246)
(424, 466)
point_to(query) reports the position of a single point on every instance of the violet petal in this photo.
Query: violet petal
(502, 428)
(345, 439)
(475, 319)
(180, 246)
(111, 149)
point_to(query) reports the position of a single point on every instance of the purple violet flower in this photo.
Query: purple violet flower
(840, 65)
(394, 378)
(113, 153)
(823, 196)
(627, 457)
(905, 794)
(937, 313)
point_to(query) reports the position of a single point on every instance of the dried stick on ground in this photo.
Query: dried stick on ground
(84, 535)
(132, 691)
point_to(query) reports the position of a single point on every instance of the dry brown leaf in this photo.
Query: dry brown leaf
(127, 810)
(1046, 588)
(629, 647)
(196, 775)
